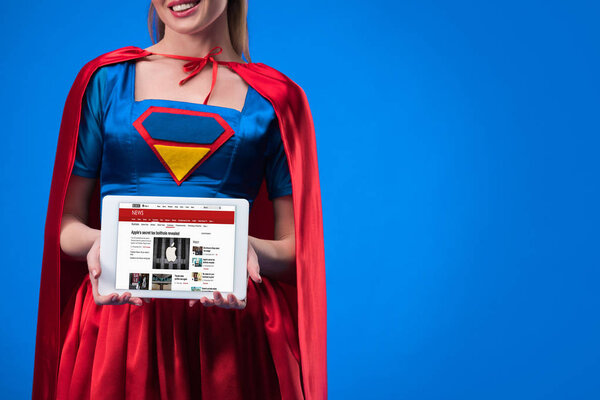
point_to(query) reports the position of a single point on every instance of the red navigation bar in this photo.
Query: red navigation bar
(177, 216)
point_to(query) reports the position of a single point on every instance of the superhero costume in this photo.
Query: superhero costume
(293, 318)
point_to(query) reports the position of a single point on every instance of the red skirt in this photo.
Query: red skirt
(168, 350)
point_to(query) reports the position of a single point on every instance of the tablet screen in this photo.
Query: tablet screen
(182, 247)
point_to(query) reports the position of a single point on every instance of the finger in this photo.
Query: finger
(94, 282)
(253, 266)
(239, 304)
(93, 260)
(120, 299)
(106, 299)
(136, 301)
(227, 303)
(123, 298)
(98, 298)
(146, 300)
(192, 302)
(232, 301)
(253, 270)
(254, 274)
(207, 302)
(219, 300)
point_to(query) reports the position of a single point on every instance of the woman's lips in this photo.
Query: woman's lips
(183, 8)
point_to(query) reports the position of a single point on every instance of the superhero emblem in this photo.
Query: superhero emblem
(182, 139)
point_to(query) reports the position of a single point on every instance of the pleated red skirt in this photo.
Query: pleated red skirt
(168, 350)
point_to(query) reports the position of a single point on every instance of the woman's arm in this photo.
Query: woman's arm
(277, 258)
(78, 240)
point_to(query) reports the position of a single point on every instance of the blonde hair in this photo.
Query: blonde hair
(237, 20)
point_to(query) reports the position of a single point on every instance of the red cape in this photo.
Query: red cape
(61, 275)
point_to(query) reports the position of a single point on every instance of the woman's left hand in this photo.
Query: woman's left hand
(231, 301)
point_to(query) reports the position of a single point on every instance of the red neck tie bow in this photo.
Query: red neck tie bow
(195, 65)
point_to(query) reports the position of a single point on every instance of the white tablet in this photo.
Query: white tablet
(174, 247)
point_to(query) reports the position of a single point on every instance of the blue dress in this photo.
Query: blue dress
(165, 349)
(112, 148)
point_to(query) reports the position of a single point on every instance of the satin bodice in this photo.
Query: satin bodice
(111, 148)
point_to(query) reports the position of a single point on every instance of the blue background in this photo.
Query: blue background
(458, 149)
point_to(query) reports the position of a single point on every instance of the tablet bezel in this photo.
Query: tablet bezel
(109, 242)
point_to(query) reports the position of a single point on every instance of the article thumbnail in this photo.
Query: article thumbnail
(171, 253)
(196, 261)
(139, 281)
(196, 276)
(161, 281)
(197, 250)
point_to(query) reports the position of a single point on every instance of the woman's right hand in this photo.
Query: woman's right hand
(93, 261)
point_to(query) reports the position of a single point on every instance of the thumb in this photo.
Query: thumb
(254, 273)
(94, 262)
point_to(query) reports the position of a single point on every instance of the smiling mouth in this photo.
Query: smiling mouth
(184, 6)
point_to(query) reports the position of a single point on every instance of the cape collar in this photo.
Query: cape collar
(195, 64)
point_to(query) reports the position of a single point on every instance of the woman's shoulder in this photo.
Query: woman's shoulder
(104, 79)
(110, 72)
(103, 74)
(111, 63)
(115, 56)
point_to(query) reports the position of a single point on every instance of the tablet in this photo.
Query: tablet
(173, 247)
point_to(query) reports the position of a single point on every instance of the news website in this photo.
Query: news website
(182, 247)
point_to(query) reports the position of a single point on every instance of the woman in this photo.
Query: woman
(271, 345)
